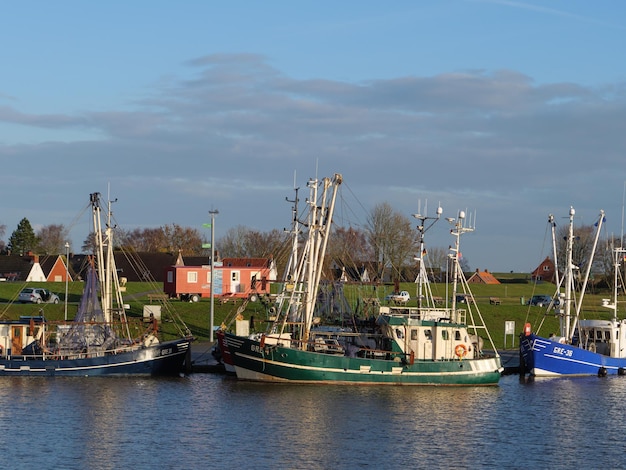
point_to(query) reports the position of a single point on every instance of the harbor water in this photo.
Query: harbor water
(214, 421)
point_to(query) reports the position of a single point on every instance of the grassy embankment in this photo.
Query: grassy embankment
(196, 316)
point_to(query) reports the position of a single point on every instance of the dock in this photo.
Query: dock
(510, 361)
(202, 359)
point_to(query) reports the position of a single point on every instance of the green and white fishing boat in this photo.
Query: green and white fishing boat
(423, 345)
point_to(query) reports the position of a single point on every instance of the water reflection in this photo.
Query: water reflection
(576, 419)
(207, 420)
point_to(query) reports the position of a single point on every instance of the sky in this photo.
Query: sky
(507, 110)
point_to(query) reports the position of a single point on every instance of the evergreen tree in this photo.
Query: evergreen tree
(23, 239)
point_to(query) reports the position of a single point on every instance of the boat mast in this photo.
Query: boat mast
(107, 271)
(290, 276)
(292, 265)
(554, 250)
(422, 228)
(320, 223)
(293, 259)
(100, 257)
(457, 230)
(569, 275)
(618, 256)
(598, 225)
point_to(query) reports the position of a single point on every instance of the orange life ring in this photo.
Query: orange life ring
(460, 350)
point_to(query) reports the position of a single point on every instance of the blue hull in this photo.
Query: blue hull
(543, 357)
(161, 359)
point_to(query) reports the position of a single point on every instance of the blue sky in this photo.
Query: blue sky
(509, 110)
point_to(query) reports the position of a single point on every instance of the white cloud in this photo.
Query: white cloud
(231, 137)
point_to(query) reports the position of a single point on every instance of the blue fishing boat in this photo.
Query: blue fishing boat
(583, 347)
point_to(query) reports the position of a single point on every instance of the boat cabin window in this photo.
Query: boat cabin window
(598, 334)
(428, 334)
(444, 335)
(457, 335)
(607, 335)
(399, 333)
(413, 334)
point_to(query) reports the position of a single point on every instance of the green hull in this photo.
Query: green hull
(270, 363)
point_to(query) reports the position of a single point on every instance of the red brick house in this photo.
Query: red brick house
(545, 271)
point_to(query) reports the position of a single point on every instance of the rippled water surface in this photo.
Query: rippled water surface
(206, 420)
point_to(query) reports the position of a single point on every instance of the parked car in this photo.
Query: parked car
(541, 301)
(37, 295)
(401, 297)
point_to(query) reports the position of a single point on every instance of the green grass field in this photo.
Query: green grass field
(197, 316)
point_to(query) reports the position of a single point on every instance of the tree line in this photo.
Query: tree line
(387, 242)
(51, 239)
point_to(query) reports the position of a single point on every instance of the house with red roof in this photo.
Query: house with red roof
(546, 271)
(34, 268)
(483, 277)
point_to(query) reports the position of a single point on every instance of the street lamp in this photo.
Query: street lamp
(67, 273)
(213, 214)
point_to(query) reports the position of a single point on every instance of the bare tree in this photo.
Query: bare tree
(265, 244)
(436, 263)
(233, 243)
(2, 242)
(402, 246)
(464, 264)
(52, 239)
(582, 246)
(604, 261)
(437, 258)
(167, 239)
(187, 240)
(146, 240)
(243, 242)
(378, 225)
(350, 246)
(89, 243)
(392, 238)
